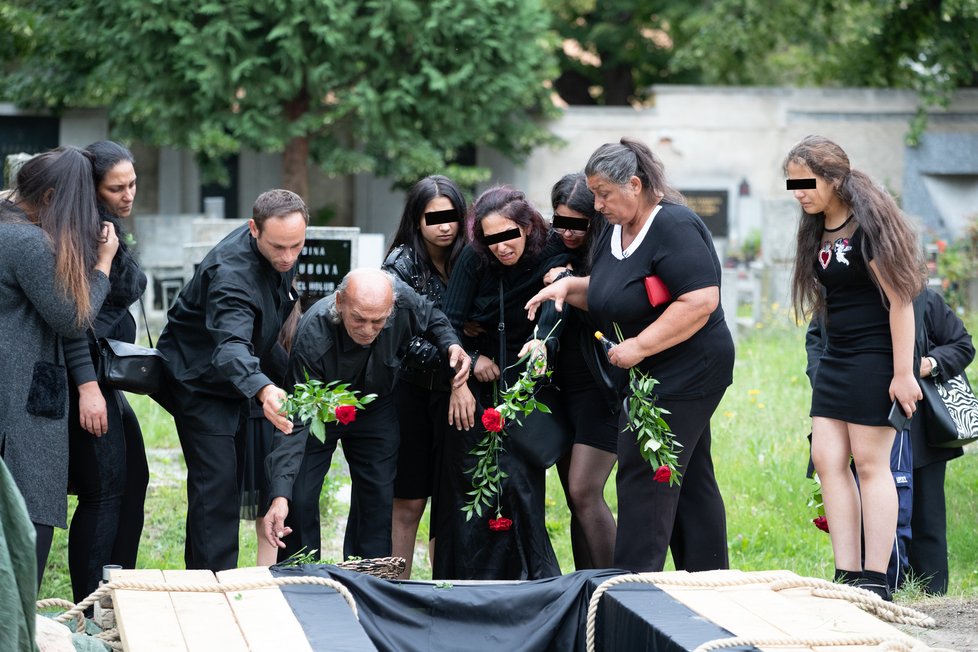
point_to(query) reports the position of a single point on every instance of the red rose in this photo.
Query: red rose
(493, 422)
(346, 414)
(662, 474)
(500, 524)
(821, 523)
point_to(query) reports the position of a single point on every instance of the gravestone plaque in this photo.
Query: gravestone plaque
(712, 207)
(329, 253)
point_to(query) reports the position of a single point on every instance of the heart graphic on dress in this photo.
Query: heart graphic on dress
(824, 256)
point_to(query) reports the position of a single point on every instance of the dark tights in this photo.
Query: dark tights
(44, 535)
(110, 475)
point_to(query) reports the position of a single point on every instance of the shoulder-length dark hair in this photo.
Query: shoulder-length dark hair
(619, 162)
(572, 192)
(888, 234)
(409, 230)
(57, 191)
(511, 204)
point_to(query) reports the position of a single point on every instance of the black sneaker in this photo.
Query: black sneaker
(846, 576)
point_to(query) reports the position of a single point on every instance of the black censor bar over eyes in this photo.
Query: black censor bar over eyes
(570, 223)
(801, 184)
(502, 236)
(441, 217)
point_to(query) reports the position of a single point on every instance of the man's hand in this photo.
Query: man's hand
(271, 399)
(275, 529)
(458, 360)
(485, 369)
(461, 408)
(92, 415)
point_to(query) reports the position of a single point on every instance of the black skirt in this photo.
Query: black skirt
(255, 434)
(854, 388)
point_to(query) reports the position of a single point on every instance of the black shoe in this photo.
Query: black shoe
(876, 583)
(846, 576)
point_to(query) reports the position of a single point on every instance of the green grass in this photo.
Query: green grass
(760, 453)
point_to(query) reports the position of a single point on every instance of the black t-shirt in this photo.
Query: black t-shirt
(856, 319)
(679, 250)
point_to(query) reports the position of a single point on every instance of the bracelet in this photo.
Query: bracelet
(474, 356)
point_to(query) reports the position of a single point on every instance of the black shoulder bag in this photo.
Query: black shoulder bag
(543, 437)
(130, 367)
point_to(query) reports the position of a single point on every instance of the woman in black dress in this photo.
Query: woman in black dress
(107, 458)
(425, 247)
(520, 251)
(857, 268)
(682, 342)
(588, 395)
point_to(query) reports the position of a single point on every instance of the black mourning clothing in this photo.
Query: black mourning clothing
(224, 320)
(298, 463)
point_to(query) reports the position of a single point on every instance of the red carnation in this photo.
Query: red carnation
(662, 474)
(493, 422)
(821, 523)
(501, 524)
(346, 414)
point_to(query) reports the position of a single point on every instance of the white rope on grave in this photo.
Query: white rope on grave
(78, 611)
(778, 581)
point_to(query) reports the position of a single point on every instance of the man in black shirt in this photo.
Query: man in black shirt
(356, 335)
(222, 323)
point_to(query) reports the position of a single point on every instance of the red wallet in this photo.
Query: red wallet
(657, 291)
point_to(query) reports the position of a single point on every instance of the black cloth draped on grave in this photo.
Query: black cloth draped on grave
(542, 615)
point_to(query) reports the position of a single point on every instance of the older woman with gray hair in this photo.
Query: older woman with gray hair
(656, 275)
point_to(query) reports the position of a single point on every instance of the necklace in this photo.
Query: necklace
(840, 227)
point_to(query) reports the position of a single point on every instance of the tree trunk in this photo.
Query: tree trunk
(295, 158)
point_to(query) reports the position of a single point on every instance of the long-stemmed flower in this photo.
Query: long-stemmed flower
(316, 403)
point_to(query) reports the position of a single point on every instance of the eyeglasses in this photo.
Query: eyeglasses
(564, 223)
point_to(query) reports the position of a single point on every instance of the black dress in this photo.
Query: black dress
(854, 373)
(468, 549)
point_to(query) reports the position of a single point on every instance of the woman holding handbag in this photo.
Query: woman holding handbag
(55, 258)
(677, 336)
(423, 253)
(494, 276)
(107, 463)
(588, 387)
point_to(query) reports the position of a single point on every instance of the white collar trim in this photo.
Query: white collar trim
(616, 249)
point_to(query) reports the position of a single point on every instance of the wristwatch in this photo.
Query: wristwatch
(934, 370)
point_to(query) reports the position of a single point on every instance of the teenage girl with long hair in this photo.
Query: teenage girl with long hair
(857, 267)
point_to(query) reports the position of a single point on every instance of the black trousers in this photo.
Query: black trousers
(928, 544)
(370, 446)
(689, 518)
(207, 427)
(110, 475)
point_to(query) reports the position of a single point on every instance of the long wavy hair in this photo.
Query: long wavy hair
(409, 229)
(572, 192)
(888, 234)
(56, 190)
(619, 162)
(511, 204)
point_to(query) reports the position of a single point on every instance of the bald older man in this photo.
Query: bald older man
(357, 336)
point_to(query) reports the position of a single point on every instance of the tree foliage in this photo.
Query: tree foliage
(394, 87)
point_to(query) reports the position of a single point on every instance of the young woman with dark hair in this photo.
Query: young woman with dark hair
(683, 342)
(588, 392)
(857, 268)
(55, 261)
(423, 253)
(492, 279)
(107, 462)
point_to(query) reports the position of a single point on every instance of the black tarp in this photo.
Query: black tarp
(538, 616)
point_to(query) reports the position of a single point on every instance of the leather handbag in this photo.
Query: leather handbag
(130, 367)
(543, 437)
(952, 411)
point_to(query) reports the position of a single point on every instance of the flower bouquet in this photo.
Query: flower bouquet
(656, 441)
(316, 403)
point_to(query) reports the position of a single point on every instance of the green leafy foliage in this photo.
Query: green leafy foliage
(314, 403)
(393, 87)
